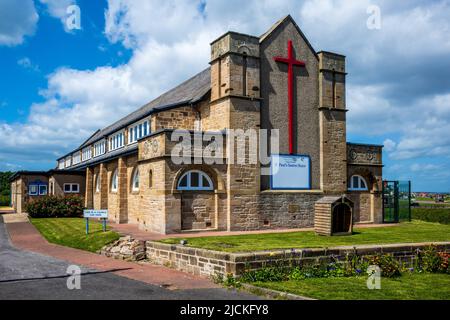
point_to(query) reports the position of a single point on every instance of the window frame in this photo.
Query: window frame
(38, 185)
(86, 154)
(358, 188)
(139, 130)
(71, 187)
(46, 189)
(34, 193)
(68, 162)
(97, 183)
(133, 180)
(189, 187)
(115, 180)
(99, 146)
(76, 158)
(116, 141)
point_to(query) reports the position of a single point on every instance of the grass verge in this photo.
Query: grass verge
(424, 286)
(407, 232)
(70, 232)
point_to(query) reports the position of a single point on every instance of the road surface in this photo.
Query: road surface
(28, 275)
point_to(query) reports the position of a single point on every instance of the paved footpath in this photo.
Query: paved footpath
(32, 268)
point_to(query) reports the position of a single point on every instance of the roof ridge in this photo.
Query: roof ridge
(275, 26)
(86, 140)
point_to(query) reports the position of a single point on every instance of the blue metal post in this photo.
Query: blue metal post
(87, 225)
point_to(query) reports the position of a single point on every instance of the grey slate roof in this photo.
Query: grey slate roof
(128, 149)
(190, 91)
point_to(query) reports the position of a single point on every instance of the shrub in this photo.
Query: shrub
(266, 274)
(4, 200)
(55, 207)
(430, 260)
(228, 281)
(352, 265)
(390, 267)
(440, 215)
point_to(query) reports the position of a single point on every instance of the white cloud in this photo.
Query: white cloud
(417, 167)
(18, 19)
(389, 145)
(27, 64)
(170, 42)
(58, 9)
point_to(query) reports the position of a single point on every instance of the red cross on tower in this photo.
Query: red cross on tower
(291, 62)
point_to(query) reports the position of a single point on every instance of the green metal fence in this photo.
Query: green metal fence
(396, 201)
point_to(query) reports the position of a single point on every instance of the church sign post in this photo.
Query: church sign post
(291, 62)
(99, 214)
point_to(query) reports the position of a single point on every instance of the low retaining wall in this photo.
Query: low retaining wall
(210, 263)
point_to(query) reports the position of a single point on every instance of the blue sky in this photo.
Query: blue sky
(57, 86)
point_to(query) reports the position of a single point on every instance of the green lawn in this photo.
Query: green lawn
(407, 287)
(416, 231)
(71, 232)
(424, 199)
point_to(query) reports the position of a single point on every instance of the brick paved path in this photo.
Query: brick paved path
(25, 236)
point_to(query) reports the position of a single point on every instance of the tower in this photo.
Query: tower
(332, 108)
(235, 104)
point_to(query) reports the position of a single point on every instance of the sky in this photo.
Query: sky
(59, 84)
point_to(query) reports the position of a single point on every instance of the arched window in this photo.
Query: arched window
(135, 180)
(97, 183)
(357, 183)
(195, 180)
(114, 181)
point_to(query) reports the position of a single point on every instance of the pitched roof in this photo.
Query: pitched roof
(280, 22)
(333, 199)
(128, 149)
(190, 91)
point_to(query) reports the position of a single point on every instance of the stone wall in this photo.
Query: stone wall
(368, 204)
(133, 198)
(152, 196)
(19, 191)
(179, 118)
(210, 263)
(58, 181)
(333, 153)
(215, 115)
(113, 208)
(287, 209)
(362, 210)
(274, 93)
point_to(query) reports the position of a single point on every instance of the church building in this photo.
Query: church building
(275, 82)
